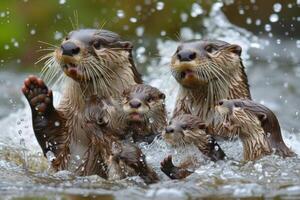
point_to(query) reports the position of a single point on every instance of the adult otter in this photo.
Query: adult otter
(257, 127)
(93, 62)
(189, 130)
(208, 71)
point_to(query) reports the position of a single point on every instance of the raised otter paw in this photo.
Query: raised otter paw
(171, 170)
(38, 95)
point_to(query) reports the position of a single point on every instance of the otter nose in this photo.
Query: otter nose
(135, 104)
(221, 103)
(69, 49)
(169, 130)
(186, 55)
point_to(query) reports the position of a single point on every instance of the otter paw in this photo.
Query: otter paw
(167, 166)
(172, 171)
(38, 95)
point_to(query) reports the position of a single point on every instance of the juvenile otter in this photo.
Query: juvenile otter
(92, 62)
(138, 115)
(256, 126)
(208, 71)
(189, 130)
(142, 113)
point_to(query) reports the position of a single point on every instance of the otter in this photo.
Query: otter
(207, 72)
(91, 62)
(256, 125)
(185, 130)
(142, 114)
(138, 115)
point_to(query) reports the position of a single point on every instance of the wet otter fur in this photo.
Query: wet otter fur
(256, 125)
(207, 72)
(142, 113)
(186, 130)
(88, 62)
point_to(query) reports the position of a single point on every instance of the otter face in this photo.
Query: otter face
(199, 62)
(183, 129)
(225, 107)
(90, 55)
(143, 103)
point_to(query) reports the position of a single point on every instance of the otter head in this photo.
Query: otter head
(190, 130)
(144, 104)
(182, 128)
(225, 107)
(197, 63)
(94, 58)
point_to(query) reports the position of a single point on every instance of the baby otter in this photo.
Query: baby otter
(189, 130)
(142, 113)
(257, 127)
(139, 115)
(92, 62)
(207, 71)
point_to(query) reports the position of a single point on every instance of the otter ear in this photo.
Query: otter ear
(126, 45)
(202, 126)
(162, 96)
(236, 49)
(125, 92)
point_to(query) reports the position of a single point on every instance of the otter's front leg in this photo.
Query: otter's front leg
(172, 171)
(48, 123)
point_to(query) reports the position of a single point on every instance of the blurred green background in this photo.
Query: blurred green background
(23, 23)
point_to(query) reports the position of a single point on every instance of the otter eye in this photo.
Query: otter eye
(210, 49)
(67, 38)
(162, 96)
(97, 45)
(149, 99)
(184, 126)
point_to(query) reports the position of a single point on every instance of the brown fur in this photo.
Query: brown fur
(189, 130)
(152, 115)
(257, 127)
(214, 75)
(104, 72)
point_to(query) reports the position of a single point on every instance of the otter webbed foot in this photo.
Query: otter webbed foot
(38, 95)
(172, 171)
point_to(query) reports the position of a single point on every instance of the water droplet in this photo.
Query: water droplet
(6, 47)
(56, 123)
(50, 156)
(241, 11)
(62, 2)
(184, 17)
(249, 20)
(163, 33)
(20, 132)
(216, 147)
(196, 10)
(268, 27)
(298, 44)
(160, 5)
(274, 18)
(58, 35)
(278, 41)
(77, 157)
(139, 31)
(120, 13)
(151, 120)
(277, 7)
(32, 32)
(133, 19)
(258, 22)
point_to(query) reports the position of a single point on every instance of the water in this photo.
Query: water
(274, 80)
